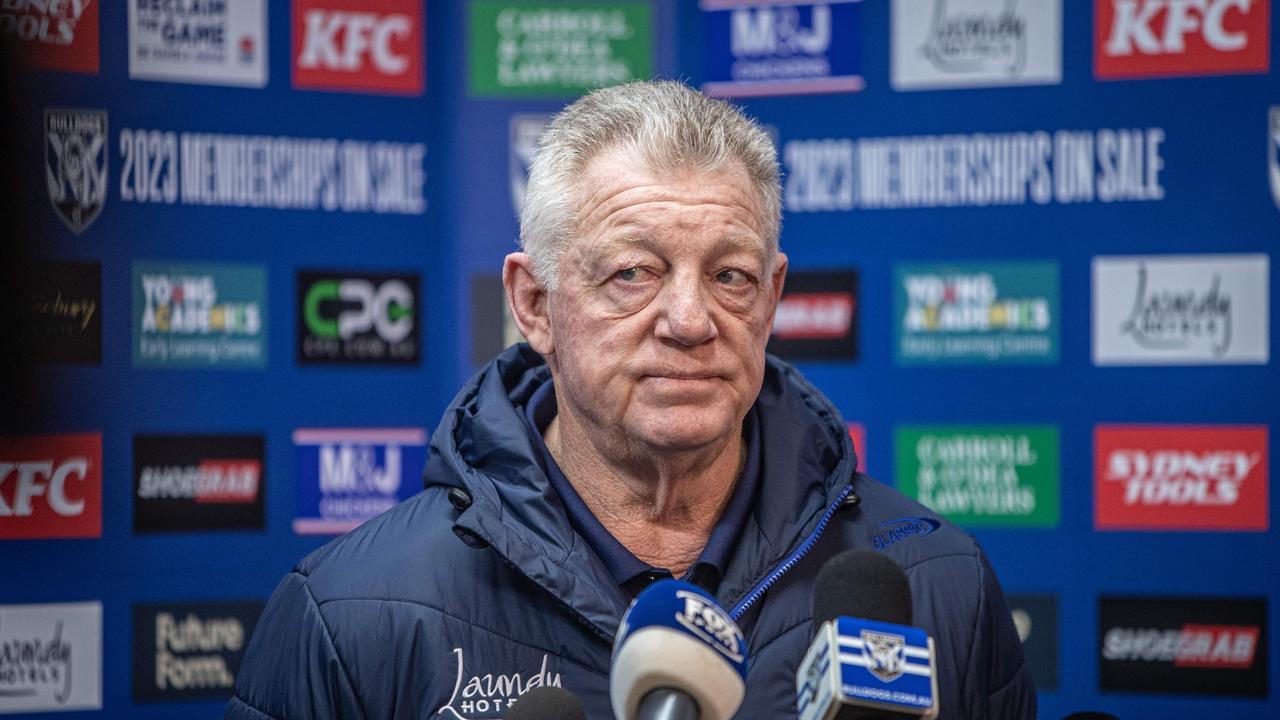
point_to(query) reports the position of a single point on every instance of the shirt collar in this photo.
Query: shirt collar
(630, 572)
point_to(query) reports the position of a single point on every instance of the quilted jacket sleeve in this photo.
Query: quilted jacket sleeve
(1010, 691)
(292, 669)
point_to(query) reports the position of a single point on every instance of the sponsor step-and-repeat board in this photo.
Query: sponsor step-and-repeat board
(1029, 249)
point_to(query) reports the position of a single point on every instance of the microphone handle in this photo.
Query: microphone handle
(667, 704)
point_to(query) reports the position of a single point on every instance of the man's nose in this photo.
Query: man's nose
(685, 312)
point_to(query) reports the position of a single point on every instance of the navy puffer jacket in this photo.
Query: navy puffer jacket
(477, 589)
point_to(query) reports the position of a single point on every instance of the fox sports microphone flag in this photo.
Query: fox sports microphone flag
(676, 638)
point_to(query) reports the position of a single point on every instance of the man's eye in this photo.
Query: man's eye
(731, 277)
(628, 275)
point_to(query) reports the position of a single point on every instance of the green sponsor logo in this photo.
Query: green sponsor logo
(199, 315)
(984, 476)
(557, 48)
(976, 313)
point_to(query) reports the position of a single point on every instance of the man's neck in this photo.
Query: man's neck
(660, 507)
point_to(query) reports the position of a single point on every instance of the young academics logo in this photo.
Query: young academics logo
(184, 483)
(781, 48)
(1204, 646)
(206, 315)
(999, 313)
(51, 486)
(1159, 38)
(219, 43)
(53, 34)
(50, 657)
(976, 43)
(357, 317)
(369, 46)
(190, 651)
(1173, 477)
(348, 476)
(985, 476)
(1181, 310)
(76, 164)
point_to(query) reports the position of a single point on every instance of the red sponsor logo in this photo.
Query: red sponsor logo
(806, 316)
(208, 481)
(359, 45)
(54, 34)
(858, 434)
(1217, 646)
(1180, 478)
(51, 486)
(1154, 38)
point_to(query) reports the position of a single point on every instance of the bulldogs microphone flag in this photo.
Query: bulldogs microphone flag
(868, 664)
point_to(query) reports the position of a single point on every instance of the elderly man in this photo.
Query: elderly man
(642, 433)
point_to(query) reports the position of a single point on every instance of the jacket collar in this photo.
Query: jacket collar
(481, 446)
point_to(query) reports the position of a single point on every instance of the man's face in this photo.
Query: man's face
(664, 304)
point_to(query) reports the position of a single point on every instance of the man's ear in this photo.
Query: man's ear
(779, 276)
(528, 302)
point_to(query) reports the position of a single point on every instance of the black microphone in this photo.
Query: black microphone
(546, 703)
(866, 661)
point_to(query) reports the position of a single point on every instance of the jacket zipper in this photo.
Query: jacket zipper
(782, 568)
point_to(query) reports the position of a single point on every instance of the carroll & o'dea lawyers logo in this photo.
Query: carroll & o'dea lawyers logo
(348, 476)
(1181, 477)
(194, 315)
(50, 657)
(974, 43)
(982, 476)
(190, 651)
(1181, 310)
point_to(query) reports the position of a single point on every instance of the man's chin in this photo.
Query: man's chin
(668, 434)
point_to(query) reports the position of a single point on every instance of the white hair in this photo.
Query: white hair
(669, 126)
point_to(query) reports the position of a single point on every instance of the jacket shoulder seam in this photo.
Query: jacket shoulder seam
(944, 556)
(471, 624)
(328, 633)
(255, 708)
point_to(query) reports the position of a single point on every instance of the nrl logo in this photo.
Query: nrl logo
(76, 164)
(524, 131)
(885, 654)
(1273, 154)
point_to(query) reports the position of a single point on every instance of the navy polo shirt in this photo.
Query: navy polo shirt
(630, 572)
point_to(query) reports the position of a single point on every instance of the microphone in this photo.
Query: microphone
(677, 656)
(866, 661)
(546, 703)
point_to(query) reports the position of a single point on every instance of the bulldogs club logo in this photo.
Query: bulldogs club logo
(76, 164)
(885, 654)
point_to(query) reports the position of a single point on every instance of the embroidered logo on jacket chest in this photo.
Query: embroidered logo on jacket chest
(487, 695)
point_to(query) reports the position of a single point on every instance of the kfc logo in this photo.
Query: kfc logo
(367, 46)
(51, 486)
(1181, 478)
(1162, 38)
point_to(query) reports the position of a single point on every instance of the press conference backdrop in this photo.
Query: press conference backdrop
(1029, 243)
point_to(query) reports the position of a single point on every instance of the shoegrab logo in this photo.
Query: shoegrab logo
(53, 34)
(370, 46)
(51, 486)
(190, 651)
(184, 483)
(1181, 478)
(1207, 646)
(1166, 38)
(348, 317)
(50, 657)
(817, 317)
(348, 476)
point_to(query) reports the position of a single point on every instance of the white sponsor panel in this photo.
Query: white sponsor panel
(975, 43)
(50, 657)
(216, 43)
(1181, 310)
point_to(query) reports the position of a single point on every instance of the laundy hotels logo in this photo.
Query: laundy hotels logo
(996, 312)
(199, 315)
(348, 476)
(50, 657)
(1181, 477)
